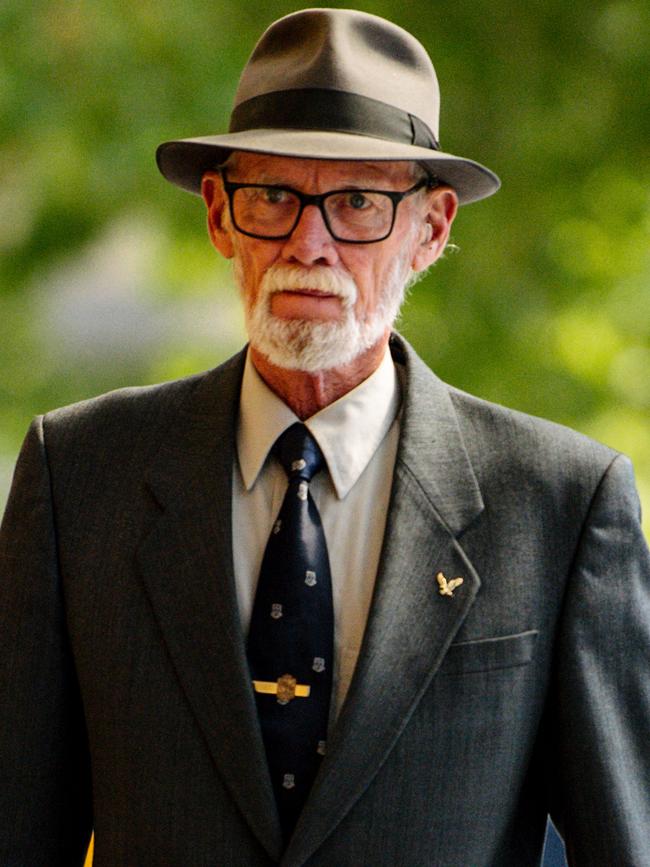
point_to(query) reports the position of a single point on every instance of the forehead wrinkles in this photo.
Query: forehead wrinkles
(330, 174)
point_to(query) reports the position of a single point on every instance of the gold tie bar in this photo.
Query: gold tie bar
(286, 688)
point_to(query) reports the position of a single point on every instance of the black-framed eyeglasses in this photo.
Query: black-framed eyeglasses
(354, 216)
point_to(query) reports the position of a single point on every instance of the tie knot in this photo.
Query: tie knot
(298, 452)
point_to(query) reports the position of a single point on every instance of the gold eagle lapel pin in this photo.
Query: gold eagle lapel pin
(447, 587)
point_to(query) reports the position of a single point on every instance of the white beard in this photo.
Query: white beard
(313, 345)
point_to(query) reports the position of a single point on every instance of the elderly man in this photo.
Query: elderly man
(316, 607)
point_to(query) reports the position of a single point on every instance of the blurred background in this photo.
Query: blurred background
(107, 277)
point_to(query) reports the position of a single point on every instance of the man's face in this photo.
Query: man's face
(313, 302)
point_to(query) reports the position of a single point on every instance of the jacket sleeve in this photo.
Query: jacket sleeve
(45, 794)
(600, 720)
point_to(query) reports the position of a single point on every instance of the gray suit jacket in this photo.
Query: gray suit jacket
(126, 703)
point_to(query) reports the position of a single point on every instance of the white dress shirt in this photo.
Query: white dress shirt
(358, 435)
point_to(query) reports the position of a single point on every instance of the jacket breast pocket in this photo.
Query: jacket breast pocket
(488, 654)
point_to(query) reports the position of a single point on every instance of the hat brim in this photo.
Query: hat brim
(185, 161)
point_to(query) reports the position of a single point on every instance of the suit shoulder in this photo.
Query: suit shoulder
(490, 427)
(529, 441)
(128, 402)
(122, 414)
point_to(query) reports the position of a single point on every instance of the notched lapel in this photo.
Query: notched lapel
(435, 497)
(187, 567)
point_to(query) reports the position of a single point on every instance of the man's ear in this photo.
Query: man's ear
(438, 217)
(215, 200)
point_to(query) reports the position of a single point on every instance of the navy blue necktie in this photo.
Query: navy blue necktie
(291, 637)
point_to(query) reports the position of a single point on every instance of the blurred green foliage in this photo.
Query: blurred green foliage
(107, 277)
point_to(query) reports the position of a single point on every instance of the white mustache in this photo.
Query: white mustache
(280, 278)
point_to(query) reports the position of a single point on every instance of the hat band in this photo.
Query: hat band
(331, 111)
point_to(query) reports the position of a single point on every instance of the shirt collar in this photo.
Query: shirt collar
(348, 431)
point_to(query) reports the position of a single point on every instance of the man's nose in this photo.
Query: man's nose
(311, 243)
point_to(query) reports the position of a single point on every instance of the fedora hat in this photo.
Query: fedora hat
(333, 84)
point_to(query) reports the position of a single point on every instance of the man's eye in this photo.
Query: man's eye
(358, 201)
(275, 197)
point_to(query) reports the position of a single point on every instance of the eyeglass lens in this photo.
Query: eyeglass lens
(357, 215)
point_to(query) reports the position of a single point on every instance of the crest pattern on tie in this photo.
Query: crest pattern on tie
(291, 635)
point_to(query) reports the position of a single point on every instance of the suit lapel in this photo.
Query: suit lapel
(187, 567)
(435, 496)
